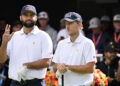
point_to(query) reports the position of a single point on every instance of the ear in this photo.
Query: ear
(48, 19)
(20, 18)
(36, 18)
(80, 25)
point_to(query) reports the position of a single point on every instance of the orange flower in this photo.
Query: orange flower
(100, 78)
(51, 79)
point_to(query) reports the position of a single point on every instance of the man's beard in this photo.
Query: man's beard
(28, 25)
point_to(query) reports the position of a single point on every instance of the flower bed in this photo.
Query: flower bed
(100, 78)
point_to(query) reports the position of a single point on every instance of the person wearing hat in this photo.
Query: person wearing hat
(75, 56)
(43, 20)
(62, 23)
(116, 34)
(29, 50)
(62, 34)
(109, 65)
(97, 36)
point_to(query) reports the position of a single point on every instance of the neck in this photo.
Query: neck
(44, 26)
(28, 30)
(74, 37)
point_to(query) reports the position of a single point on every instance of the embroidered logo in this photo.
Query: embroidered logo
(77, 49)
(33, 43)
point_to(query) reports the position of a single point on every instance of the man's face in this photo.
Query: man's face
(43, 22)
(96, 30)
(110, 55)
(105, 26)
(117, 25)
(72, 27)
(28, 19)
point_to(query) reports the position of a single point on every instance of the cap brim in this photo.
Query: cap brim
(116, 20)
(69, 20)
(42, 17)
(28, 11)
(109, 50)
(92, 26)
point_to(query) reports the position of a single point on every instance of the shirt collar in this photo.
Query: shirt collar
(78, 40)
(34, 31)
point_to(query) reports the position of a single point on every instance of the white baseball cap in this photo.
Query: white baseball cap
(43, 14)
(94, 22)
(105, 18)
(116, 17)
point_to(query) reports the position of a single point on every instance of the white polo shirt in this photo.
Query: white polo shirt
(24, 48)
(81, 52)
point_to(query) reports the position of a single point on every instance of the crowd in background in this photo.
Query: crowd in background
(104, 32)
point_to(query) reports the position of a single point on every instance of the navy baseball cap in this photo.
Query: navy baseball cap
(28, 8)
(72, 16)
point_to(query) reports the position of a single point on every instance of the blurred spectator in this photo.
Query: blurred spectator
(97, 36)
(43, 20)
(109, 65)
(62, 24)
(62, 34)
(16, 26)
(116, 37)
(105, 24)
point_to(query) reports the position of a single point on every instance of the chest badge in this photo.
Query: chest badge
(77, 50)
(33, 43)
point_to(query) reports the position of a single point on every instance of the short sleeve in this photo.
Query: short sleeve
(47, 46)
(89, 52)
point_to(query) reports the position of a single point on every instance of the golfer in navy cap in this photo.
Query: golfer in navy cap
(29, 51)
(75, 56)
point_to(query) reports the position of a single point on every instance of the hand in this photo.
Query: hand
(110, 79)
(22, 73)
(26, 64)
(118, 77)
(7, 36)
(61, 68)
(118, 73)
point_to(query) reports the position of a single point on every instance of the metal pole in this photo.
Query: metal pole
(62, 80)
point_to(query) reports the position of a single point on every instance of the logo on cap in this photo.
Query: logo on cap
(78, 19)
(68, 15)
(28, 8)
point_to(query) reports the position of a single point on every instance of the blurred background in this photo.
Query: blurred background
(10, 9)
